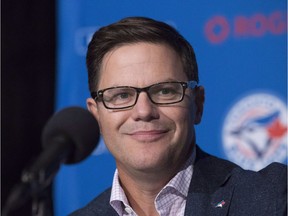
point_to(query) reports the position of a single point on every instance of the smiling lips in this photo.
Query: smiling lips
(148, 135)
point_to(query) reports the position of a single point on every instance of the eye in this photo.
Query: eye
(123, 95)
(119, 96)
(166, 91)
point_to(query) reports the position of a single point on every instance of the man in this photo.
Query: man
(143, 78)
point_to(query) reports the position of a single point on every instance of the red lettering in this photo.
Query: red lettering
(258, 25)
(277, 23)
(217, 29)
(241, 26)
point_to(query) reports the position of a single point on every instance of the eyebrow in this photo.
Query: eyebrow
(164, 80)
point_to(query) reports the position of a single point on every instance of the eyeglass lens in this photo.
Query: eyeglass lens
(162, 93)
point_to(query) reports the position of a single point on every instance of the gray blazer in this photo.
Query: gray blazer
(219, 187)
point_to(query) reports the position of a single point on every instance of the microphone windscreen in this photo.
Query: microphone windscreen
(78, 126)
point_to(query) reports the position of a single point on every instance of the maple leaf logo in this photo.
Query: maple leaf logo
(276, 129)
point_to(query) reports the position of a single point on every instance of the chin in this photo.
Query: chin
(153, 163)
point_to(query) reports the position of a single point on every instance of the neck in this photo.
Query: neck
(145, 181)
(142, 187)
(141, 191)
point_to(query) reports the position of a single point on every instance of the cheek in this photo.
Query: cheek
(184, 124)
(184, 114)
(109, 118)
(109, 123)
(183, 117)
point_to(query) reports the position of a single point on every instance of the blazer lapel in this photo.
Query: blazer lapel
(210, 191)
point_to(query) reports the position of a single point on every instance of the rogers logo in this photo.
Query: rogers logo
(219, 27)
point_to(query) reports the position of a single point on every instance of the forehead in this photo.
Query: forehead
(140, 63)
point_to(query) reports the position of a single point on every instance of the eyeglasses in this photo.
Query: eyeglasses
(123, 97)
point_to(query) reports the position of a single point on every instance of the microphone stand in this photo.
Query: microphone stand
(61, 144)
(35, 184)
(39, 189)
(37, 178)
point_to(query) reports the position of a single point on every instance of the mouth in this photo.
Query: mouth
(148, 135)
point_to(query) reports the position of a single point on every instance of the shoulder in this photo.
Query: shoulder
(246, 192)
(266, 189)
(275, 172)
(99, 206)
(271, 179)
(208, 165)
(216, 172)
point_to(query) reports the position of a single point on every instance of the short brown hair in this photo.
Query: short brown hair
(133, 30)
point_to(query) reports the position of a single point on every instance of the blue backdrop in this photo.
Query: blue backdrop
(241, 50)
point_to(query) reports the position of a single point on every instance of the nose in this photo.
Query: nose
(144, 109)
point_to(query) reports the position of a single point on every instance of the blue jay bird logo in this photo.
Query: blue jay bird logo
(255, 131)
(258, 133)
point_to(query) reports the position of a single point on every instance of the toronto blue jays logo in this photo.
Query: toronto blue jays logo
(255, 131)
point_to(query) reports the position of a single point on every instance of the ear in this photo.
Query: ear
(92, 107)
(199, 102)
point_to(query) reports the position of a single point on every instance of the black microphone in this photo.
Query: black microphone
(68, 137)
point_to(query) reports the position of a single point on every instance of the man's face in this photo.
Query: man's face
(146, 137)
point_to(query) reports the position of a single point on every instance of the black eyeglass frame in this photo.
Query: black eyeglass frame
(98, 95)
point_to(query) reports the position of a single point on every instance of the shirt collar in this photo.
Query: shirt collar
(182, 179)
(118, 199)
(180, 182)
